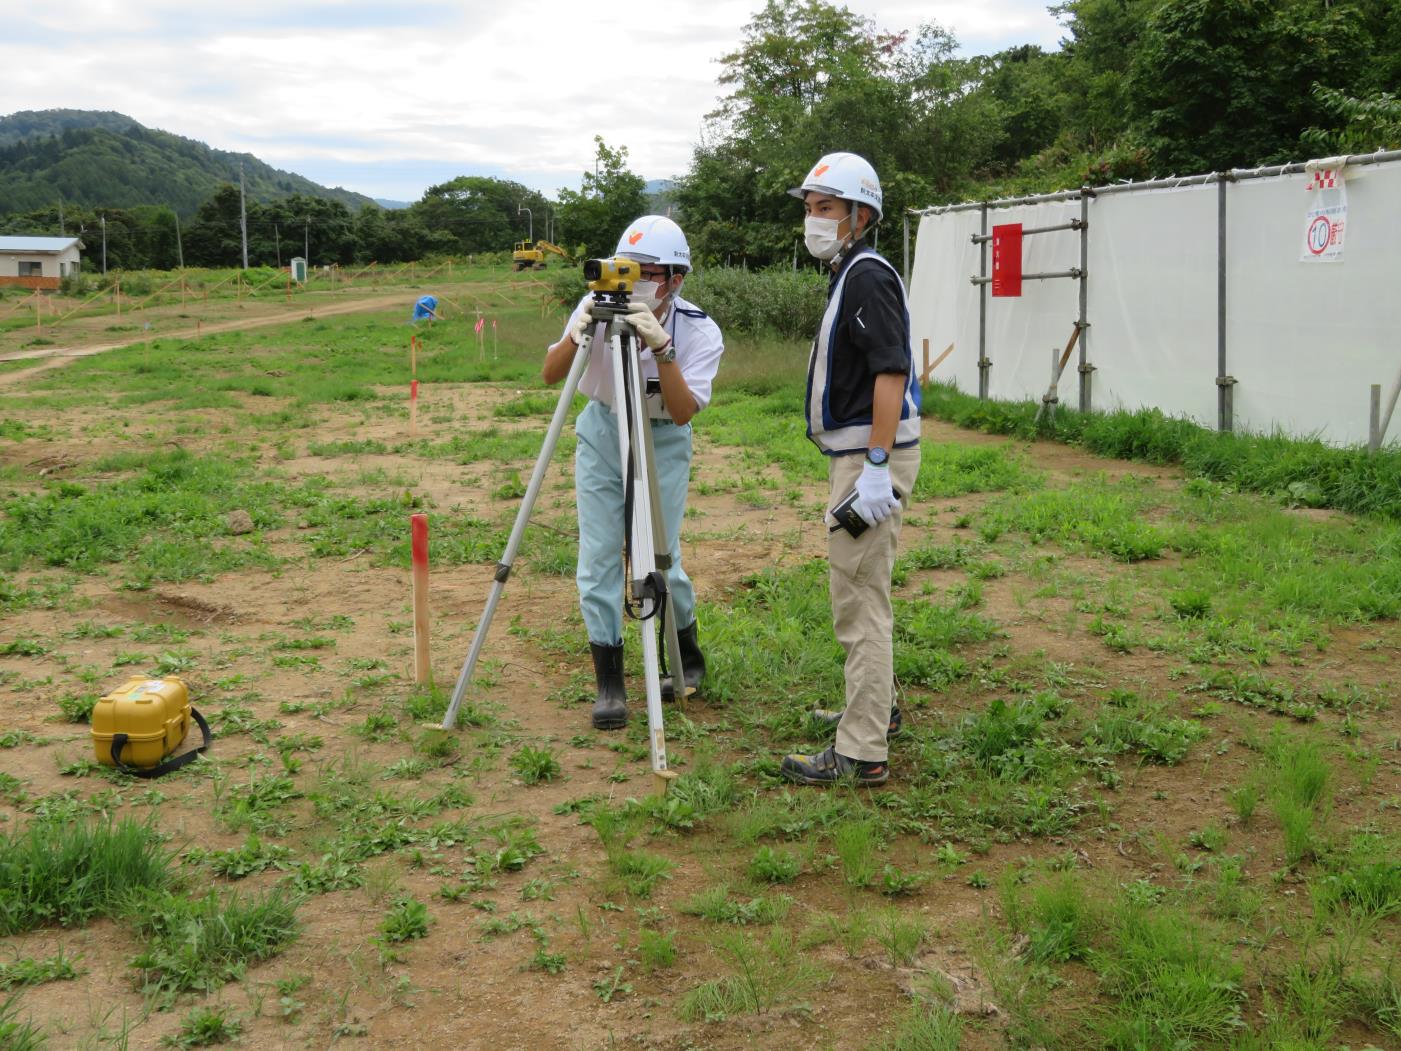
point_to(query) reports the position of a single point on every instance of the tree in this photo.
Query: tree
(474, 213)
(155, 245)
(1221, 83)
(213, 237)
(1360, 125)
(609, 198)
(811, 78)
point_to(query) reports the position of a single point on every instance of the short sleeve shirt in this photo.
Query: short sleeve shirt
(872, 337)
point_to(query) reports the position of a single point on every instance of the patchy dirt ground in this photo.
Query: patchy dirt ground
(459, 987)
(86, 333)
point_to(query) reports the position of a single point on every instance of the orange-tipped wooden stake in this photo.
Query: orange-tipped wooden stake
(422, 669)
(413, 408)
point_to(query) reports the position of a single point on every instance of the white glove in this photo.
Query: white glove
(582, 324)
(875, 499)
(647, 327)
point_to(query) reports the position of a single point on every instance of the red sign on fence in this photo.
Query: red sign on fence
(1007, 259)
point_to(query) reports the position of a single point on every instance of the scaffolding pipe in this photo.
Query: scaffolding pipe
(1225, 407)
(907, 251)
(1086, 370)
(1072, 272)
(1355, 160)
(1074, 224)
(983, 363)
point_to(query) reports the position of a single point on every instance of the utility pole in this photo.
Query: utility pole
(179, 245)
(242, 216)
(306, 240)
(277, 240)
(104, 246)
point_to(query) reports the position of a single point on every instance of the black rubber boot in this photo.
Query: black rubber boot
(692, 664)
(610, 708)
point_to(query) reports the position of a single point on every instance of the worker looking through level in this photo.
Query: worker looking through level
(863, 413)
(680, 351)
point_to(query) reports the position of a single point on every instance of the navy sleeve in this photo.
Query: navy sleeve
(875, 318)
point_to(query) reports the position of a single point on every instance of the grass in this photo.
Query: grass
(18, 1034)
(1172, 983)
(1362, 877)
(205, 1027)
(924, 1027)
(535, 766)
(769, 865)
(1301, 794)
(1070, 651)
(200, 943)
(25, 970)
(856, 843)
(406, 920)
(1299, 471)
(765, 975)
(71, 872)
(1062, 921)
(717, 905)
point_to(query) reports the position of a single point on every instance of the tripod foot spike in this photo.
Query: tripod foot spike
(661, 780)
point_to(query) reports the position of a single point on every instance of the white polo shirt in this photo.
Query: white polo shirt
(698, 348)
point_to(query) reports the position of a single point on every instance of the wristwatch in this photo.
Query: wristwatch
(877, 457)
(666, 355)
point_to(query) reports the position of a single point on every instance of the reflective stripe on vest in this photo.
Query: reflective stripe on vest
(834, 436)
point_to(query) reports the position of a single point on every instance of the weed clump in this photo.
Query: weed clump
(69, 872)
(198, 944)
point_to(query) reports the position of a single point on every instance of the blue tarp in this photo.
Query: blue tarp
(426, 307)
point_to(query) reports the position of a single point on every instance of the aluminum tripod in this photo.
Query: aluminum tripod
(650, 595)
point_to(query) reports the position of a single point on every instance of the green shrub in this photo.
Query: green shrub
(779, 301)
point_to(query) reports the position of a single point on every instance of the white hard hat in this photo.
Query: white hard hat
(843, 175)
(655, 239)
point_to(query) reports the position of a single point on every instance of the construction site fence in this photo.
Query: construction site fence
(1197, 296)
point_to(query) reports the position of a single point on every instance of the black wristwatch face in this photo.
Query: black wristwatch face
(877, 455)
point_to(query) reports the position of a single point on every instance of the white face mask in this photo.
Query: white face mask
(646, 292)
(820, 236)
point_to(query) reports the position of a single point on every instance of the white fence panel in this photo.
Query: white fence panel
(1304, 340)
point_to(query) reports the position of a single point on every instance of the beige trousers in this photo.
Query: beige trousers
(859, 577)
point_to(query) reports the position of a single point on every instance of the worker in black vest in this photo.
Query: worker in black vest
(863, 413)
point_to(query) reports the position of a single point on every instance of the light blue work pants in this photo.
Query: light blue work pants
(598, 495)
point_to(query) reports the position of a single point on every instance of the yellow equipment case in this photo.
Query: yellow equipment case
(141, 722)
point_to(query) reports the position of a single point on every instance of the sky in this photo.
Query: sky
(390, 98)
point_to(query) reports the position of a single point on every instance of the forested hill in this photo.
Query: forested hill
(97, 159)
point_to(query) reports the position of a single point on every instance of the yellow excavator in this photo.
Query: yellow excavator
(529, 256)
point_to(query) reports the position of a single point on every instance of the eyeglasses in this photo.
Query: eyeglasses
(653, 275)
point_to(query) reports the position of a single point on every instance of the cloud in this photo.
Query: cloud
(377, 88)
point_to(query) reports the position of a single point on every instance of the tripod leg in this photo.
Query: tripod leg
(663, 549)
(635, 448)
(532, 491)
